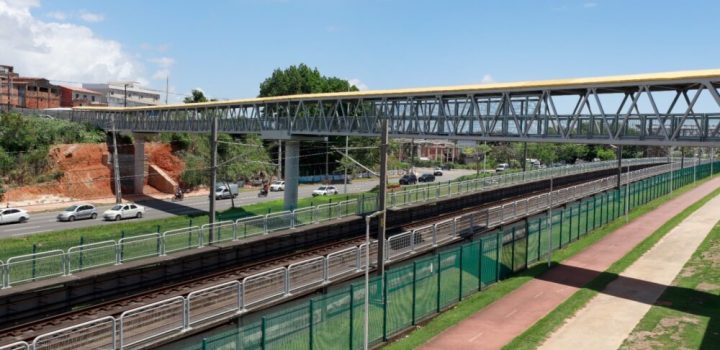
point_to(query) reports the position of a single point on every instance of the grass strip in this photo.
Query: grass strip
(64, 239)
(478, 301)
(535, 335)
(687, 314)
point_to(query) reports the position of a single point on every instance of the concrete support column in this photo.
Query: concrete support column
(292, 173)
(139, 163)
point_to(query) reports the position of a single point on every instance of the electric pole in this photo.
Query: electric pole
(116, 164)
(346, 152)
(213, 175)
(167, 88)
(381, 199)
(279, 172)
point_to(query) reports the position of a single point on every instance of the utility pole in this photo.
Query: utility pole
(549, 222)
(125, 99)
(327, 160)
(346, 152)
(213, 175)
(116, 164)
(167, 88)
(619, 157)
(381, 199)
(279, 173)
(9, 104)
(524, 160)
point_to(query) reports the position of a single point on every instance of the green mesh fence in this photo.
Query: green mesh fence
(416, 291)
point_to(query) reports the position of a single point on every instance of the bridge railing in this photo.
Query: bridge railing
(44, 265)
(173, 316)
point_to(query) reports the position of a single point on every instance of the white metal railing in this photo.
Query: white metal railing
(94, 255)
(21, 345)
(213, 302)
(151, 321)
(169, 317)
(95, 334)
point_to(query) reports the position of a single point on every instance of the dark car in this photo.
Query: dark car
(408, 179)
(426, 178)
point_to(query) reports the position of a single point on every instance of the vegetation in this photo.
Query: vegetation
(25, 142)
(537, 334)
(686, 315)
(478, 301)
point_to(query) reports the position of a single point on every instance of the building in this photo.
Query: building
(73, 96)
(114, 94)
(26, 92)
(436, 150)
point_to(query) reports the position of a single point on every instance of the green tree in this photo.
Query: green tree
(197, 97)
(301, 79)
(605, 154)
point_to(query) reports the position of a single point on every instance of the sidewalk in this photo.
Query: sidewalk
(628, 298)
(507, 318)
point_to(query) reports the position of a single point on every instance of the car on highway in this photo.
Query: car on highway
(277, 186)
(324, 191)
(9, 215)
(408, 179)
(78, 211)
(426, 178)
(502, 167)
(226, 191)
(124, 211)
(437, 171)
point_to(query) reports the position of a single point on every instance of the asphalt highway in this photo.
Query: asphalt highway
(158, 209)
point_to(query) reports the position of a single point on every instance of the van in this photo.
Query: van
(226, 191)
(502, 167)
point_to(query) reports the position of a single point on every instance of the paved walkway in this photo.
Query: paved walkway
(507, 318)
(626, 300)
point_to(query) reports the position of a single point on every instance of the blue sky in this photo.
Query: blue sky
(228, 47)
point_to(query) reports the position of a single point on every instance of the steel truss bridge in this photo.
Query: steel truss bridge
(647, 109)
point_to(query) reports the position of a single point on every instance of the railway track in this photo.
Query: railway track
(115, 307)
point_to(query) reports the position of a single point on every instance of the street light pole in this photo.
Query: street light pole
(366, 322)
(627, 193)
(549, 221)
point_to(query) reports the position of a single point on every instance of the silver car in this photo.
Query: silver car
(79, 211)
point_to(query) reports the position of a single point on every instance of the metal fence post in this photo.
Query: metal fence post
(34, 251)
(310, 328)
(414, 292)
(480, 258)
(263, 336)
(384, 301)
(460, 284)
(352, 316)
(439, 285)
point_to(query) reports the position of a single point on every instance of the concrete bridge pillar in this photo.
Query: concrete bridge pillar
(292, 173)
(139, 163)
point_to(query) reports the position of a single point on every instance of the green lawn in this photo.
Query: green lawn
(687, 315)
(477, 301)
(536, 335)
(64, 239)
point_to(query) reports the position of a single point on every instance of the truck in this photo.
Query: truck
(226, 191)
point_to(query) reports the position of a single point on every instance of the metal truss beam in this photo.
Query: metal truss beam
(588, 114)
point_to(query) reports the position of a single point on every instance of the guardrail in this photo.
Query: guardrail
(33, 267)
(421, 193)
(141, 326)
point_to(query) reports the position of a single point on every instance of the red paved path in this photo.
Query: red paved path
(502, 321)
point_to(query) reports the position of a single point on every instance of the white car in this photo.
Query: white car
(324, 191)
(9, 215)
(277, 186)
(124, 211)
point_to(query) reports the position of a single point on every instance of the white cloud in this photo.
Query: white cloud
(58, 15)
(91, 17)
(60, 50)
(358, 84)
(590, 5)
(487, 78)
(163, 61)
